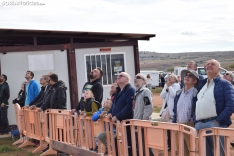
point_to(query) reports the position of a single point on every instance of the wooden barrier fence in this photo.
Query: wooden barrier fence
(61, 131)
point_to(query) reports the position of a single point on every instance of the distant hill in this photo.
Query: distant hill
(164, 61)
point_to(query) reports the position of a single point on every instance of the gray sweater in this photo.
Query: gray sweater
(142, 104)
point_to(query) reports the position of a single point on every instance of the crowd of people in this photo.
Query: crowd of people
(195, 101)
(51, 95)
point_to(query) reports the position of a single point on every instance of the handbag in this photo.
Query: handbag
(165, 116)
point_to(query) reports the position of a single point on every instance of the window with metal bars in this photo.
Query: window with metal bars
(111, 65)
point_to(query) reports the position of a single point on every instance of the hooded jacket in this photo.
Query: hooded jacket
(90, 106)
(97, 89)
(58, 98)
(4, 93)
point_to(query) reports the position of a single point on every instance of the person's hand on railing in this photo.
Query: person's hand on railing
(39, 109)
(32, 107)
(73, 111)
(102, 114)
(109, 116)
(114, 119)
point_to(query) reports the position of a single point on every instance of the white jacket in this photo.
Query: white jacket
(169, 97)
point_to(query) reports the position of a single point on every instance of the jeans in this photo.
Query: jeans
(209, 139)
(4, 119)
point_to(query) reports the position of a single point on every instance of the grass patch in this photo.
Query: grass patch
(157, 109)
(6, 149)
(157, 90)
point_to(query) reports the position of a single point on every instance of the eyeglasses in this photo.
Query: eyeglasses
(226, 74)
(138, 77)
(188, 75)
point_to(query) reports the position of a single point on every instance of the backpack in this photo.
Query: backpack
(15, 132)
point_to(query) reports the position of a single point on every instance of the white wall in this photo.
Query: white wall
(15, 65)
(81, 77)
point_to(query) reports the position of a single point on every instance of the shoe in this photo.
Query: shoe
(232, 144)
(96, 149)
(45, 149)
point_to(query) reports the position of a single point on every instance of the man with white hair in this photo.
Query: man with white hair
(214, 105)
(122, 104)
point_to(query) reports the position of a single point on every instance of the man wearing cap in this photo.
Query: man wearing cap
(192, 65)
(215, 103)
(4, 97)
(142, 103)
(184, 103)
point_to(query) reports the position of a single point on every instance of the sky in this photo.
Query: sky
(179, 25)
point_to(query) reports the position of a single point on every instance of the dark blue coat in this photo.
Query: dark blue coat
(224, 98)
(122, 103)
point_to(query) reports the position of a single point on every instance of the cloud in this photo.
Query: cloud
(188, 33)
(190, 25)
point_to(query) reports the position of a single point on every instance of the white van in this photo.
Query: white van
(200, 70)
(154, 75)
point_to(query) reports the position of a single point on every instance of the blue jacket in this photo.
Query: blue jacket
(122, 103)
(33, 91)
(176, 99)
(95, 116)
(224, 98)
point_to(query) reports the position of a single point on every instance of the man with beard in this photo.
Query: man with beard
(32, 88)
(95, 85)
(4, 96)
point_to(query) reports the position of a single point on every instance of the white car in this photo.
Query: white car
(202, 71)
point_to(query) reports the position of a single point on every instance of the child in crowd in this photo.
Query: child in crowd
(90, 105)
(99, 114)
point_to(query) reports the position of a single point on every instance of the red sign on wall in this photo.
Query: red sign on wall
(105, 49)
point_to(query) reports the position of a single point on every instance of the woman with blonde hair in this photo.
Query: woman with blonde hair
(168, 94)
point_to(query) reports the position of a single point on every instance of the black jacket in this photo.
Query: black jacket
(46, 99)
(97, 89)
(39, 97)
(4, 93)
(20, 99)
(58, 97)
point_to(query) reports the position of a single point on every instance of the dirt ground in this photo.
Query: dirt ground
(157, 101)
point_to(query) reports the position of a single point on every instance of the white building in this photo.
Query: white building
(69, 54)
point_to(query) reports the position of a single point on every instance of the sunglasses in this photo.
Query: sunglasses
(226, 74)
(188, 75)
(138, 77)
